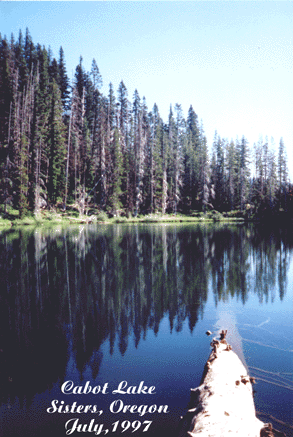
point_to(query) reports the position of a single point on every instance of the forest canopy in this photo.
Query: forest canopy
(67, 144)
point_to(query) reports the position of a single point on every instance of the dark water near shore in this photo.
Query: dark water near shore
(132, 303)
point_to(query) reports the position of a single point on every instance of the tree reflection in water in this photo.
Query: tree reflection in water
(76, 288)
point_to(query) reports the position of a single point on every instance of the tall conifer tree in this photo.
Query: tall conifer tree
(57, 149)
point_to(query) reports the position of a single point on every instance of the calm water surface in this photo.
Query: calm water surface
(119, 307)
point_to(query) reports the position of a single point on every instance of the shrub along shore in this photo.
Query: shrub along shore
(71, 216)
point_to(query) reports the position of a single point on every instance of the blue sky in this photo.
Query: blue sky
(232, 60)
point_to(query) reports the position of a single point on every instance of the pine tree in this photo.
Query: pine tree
(165, 159)
(63, 81)
(231, 172)
(157, 151)
(77, 149)
(104, 151)
(81, 117)
(261, 193)
(19, 149)
(122, 114)
(282, 174)
(272, 178)
(204, 172)
(172, 163)
(179, 145)
(57, 149)
(95, 114)
(111, 109)
(218, 172)
(115, 204)
(242, 172)
(139, 144)
(144, 153)
(191, 161)
(26, 116)
(20, 62)
(29, 52)
(53, 71)
(39, 146)
(111, 117)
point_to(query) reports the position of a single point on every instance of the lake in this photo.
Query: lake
(102, 327)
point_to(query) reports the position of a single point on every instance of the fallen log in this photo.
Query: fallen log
(82, 220)
(223, 405)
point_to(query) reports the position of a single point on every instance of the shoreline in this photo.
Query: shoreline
(48, 218)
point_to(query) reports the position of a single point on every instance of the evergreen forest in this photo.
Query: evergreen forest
(64, 144)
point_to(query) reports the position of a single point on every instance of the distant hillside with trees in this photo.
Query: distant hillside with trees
(65, 144)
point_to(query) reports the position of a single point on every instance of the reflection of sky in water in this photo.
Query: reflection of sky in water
(265, 333)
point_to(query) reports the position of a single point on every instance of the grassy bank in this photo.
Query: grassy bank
(178, 218)
(71, 216)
